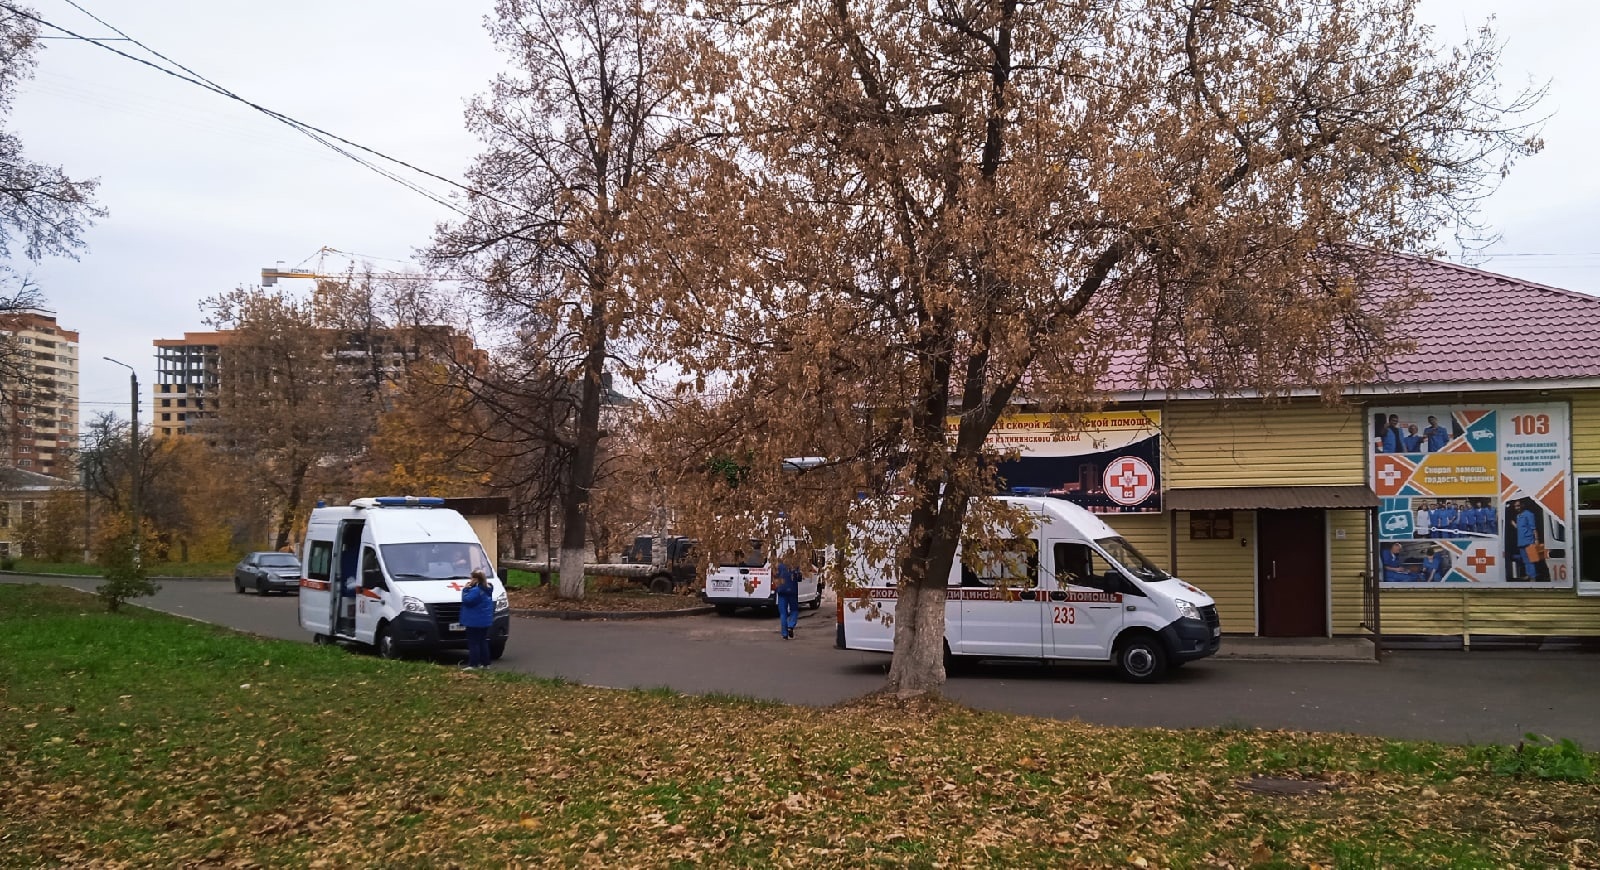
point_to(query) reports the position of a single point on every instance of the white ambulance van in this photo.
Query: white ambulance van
(743, 578)
(389, 571)
(1073, 591)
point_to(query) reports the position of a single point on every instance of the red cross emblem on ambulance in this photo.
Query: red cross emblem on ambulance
(1129, 480)
(456, 585)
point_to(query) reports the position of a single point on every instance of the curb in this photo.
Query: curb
(612, 614)
(160, 577)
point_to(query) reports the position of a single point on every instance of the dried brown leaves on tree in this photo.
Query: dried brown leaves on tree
(300, 394)
(898, 215)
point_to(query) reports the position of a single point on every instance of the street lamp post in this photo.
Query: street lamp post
(133, 380)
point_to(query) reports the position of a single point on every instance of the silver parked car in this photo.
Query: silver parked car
(267, 572)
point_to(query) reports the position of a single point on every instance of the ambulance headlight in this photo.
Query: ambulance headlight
(1186, 610)
(414, 605)
(502, 605)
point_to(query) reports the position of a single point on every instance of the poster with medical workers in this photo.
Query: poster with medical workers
(1107, 463)
(1473, 495)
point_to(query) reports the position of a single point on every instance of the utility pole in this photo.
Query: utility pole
(133, 380)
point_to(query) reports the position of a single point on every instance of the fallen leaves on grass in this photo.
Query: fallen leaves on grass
(340, 760)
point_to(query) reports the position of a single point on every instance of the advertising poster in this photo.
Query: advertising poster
(1108, 463)
(1473, 495)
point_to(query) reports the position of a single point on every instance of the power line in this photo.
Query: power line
(315, 133)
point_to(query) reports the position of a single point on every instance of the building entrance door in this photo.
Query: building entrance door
(1292, 564)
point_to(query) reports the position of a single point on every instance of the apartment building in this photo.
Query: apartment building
(39, 382)
(190, 370)
(185, 389)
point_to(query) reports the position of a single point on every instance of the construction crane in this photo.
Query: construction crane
(271, 274)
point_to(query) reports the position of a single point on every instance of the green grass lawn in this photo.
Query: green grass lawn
(141, 739)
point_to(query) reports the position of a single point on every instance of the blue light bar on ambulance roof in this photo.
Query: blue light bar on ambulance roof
(399, 501)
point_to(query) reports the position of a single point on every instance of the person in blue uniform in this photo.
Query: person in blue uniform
(1393, 436)
(1436, 566)
(787, 588)
(477, 616)
(1530, 550)
(1435, 435)
(1444, 520)
(1412, 440)
(1394, 570)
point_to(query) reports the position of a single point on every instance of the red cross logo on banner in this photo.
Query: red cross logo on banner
(1389, 474)
(1129, 480)
(1480, 560)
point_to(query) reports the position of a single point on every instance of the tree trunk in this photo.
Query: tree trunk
(580, 479)
(572, 561)
(918, 664)
(286, 517)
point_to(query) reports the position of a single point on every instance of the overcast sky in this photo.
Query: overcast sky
(204, 192)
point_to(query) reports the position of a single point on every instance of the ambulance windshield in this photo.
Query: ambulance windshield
(1131, 560)
(436, 560)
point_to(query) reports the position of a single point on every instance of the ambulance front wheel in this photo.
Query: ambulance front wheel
(384, 643)
(1141, 659)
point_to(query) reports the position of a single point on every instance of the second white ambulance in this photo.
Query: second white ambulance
(1075, 590)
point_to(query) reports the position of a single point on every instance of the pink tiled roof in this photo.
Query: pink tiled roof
(1474, 326)
(1468, 326)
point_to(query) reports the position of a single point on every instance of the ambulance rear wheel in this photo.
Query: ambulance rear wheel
(320, 640)
(725, 609)
(1141, 659)
(815, 602)
(953, 664)
(384, 644)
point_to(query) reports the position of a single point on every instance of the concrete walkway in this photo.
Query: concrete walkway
(1297, 649)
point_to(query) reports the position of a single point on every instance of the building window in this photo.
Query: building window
(1589, 535)
(1210, 525)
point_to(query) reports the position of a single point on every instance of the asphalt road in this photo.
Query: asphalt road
(1452, 697)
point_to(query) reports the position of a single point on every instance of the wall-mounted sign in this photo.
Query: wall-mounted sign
(1474, 495)
(1106, 462)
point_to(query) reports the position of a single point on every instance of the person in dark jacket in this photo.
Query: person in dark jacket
(477, 615)
(786, 584)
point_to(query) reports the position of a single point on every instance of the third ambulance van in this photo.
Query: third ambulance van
(743, 578)
(1075, 590)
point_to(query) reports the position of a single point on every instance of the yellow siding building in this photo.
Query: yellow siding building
(1286, 512)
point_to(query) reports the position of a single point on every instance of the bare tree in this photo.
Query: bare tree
(42, 211)
(573, 135)
(905, 218)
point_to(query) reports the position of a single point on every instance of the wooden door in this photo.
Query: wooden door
(1292, 564)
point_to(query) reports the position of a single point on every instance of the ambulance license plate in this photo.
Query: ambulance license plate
(456, 626)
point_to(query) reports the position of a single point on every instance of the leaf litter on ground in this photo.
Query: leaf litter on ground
(143, 751)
